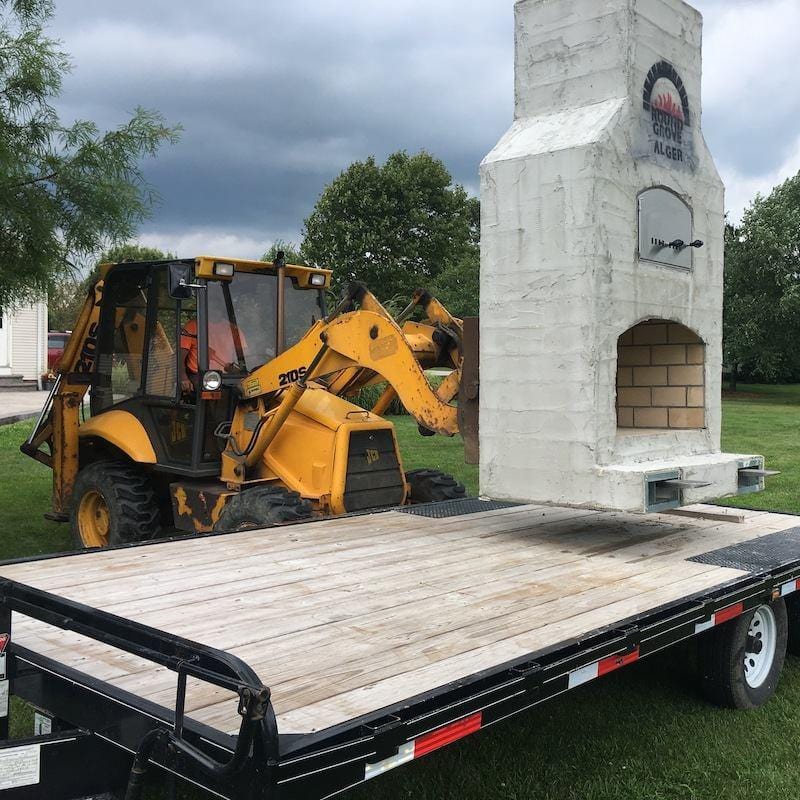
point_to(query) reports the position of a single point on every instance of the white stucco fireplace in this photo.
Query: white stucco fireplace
(602, 267)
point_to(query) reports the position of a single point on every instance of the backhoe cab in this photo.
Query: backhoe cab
(218, 400)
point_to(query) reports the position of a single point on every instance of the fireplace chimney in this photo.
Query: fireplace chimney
(602, 266)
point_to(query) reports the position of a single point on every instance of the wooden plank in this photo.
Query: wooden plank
(400, 665)
(330, 711)
(379, 606)
(301, 546)
(260, 574)
(446, 578)
(505, 609)
(269, 609)
(715, 516)
(201, 637)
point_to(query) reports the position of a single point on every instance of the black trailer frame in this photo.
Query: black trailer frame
(93, 719)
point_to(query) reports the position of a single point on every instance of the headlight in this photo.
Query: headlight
(223, 269)
(317, 279)
(212, 381)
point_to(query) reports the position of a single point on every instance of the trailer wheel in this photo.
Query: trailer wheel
(741, 661)
(262, 507)
(793, 616)
(433, 486)
(113, 503)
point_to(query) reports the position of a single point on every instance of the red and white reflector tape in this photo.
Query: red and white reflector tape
(723, 615)
(789, 588)
(588, 673)
(4, 640)
(427, 743)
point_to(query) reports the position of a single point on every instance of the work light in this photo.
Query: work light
(212, 381)
(223, 269)
(317, 279)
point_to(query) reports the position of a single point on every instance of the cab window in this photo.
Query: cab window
(118, 374)
(303, 310)
(242, 320)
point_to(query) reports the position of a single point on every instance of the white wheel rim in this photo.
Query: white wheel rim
(763, 629)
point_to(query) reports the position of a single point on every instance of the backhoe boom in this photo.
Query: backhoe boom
(367, 346)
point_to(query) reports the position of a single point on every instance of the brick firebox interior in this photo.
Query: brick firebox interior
(660, 377)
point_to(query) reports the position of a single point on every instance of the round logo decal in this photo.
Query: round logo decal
(667, 104)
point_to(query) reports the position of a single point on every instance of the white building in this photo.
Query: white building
(23, 343)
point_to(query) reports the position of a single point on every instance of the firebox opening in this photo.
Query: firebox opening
(660, 378)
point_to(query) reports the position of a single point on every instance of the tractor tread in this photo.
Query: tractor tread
(130, 496)
(263, 507)
(434, 486)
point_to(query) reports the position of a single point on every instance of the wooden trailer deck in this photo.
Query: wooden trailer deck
(343, 617)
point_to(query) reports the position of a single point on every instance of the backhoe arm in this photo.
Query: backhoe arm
(57, 426)
(352, 349)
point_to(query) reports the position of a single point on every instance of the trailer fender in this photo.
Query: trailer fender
(124, 431)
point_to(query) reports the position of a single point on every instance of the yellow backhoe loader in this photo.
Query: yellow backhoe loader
(218, 400)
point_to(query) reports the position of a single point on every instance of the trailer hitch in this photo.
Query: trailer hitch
(253, 708)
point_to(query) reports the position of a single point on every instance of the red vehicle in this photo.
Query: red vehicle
(56, 341)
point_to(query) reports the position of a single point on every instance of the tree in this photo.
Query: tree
(65, 191)
(290, 250)
(395, 227)
(762, 288)
(458, 286)
(67, 296)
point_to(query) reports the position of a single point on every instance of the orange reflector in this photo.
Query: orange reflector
(731, 612)
(211, 395)
(447, 735)
(611, 663)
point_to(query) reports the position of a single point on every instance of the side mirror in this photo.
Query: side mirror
(180, 281)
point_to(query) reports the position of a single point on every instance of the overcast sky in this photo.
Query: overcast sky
(276, 98)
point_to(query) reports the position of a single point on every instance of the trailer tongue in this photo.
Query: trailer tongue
(381, 638)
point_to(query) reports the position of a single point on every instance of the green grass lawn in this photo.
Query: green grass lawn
(24, 497)
(766, 420)
(640, 734)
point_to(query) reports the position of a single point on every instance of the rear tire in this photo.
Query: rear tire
(262, 507)
(113, 503)
(741, 661)
(793, 616)
(433, 486)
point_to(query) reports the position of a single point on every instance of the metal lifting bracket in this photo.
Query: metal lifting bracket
(387, 734)
(531, 674)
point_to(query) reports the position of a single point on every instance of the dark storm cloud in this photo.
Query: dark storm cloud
(277, 98)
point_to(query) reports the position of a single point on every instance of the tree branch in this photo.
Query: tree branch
(31, 181)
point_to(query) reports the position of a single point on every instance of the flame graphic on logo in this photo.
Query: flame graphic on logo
(666, 103)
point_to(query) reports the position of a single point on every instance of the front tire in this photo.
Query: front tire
(262, 507)
(113, 503)
(793, 615)
(433, 486)
(741, 661)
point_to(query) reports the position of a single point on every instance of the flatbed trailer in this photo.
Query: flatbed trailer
(302, 661)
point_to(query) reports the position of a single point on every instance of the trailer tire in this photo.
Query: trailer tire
(734, 673)
(262, 507)
(433, 486)
(113, 503)
(793, 615)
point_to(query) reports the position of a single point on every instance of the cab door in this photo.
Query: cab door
(184, 422)
(172, 414)
(138, 362)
